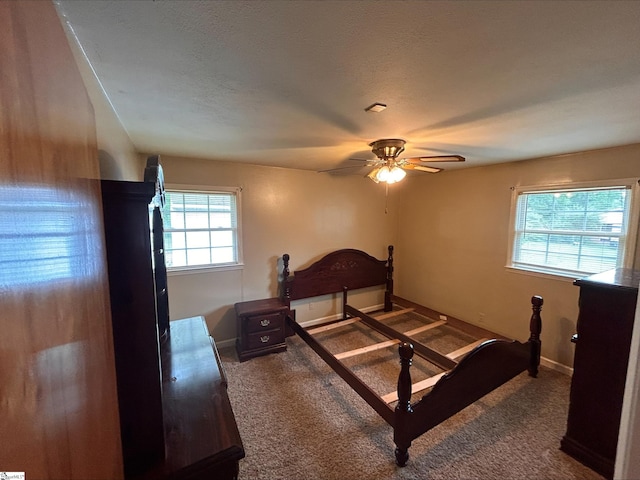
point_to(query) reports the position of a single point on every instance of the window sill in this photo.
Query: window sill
(541, 274)
(203, 269)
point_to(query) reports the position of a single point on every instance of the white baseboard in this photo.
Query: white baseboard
(225, 343)
(558, 367)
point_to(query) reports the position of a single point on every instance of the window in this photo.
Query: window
(574, 230)
(201, 229)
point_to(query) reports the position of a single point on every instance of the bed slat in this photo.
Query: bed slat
(424, 328)
(388, 343)
(464, 350)
(331, 326)
(395, 313)
(367, 349)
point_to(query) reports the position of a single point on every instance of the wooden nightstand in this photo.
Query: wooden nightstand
(261, 327)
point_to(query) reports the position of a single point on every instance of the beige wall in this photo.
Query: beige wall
(453, 237)
(302, 213)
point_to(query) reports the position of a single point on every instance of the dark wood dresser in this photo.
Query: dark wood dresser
(605, 323)
(202, 441)
(261, 327)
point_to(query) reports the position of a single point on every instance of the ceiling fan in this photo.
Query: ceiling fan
(388, 168)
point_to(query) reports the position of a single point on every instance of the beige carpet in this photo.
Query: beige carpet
(299, 420)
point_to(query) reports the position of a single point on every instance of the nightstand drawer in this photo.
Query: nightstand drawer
(265, 339)
(267, 321)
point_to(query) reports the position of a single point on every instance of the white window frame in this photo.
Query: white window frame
(207, 190)
(631, 218)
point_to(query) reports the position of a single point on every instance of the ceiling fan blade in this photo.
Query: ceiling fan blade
(422, 168)
(364, 159)
(364, 162)
(436, 158)
(329, 170)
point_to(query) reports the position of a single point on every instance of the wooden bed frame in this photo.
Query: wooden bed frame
(483, 366)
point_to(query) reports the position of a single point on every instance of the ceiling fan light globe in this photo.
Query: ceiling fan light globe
(373, 175)
(383, 174)
(396, 174)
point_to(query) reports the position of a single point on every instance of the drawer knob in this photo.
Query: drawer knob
(264, 338)
(265, 322)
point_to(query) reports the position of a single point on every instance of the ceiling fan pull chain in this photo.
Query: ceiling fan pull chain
(386, 198)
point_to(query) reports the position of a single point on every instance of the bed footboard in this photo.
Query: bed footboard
(488, 366)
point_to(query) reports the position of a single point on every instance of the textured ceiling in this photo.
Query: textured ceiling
(285, 83)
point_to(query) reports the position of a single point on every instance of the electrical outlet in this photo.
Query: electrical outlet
(443, 317)
(311, 305)
(481, 317)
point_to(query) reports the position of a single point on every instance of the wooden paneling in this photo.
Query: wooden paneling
(58, 407)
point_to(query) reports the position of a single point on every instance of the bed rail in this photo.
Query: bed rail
(367, 394)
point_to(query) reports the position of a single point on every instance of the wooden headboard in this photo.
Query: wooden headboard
(346, 269)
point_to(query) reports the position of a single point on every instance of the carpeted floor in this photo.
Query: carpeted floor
(300, 420)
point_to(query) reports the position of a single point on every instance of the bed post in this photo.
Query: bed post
(388, 306)
(286, 289)
(403, 408)
(535, 326)
(344, 302)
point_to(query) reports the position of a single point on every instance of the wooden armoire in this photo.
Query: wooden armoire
(175, 415)
(139, 309)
